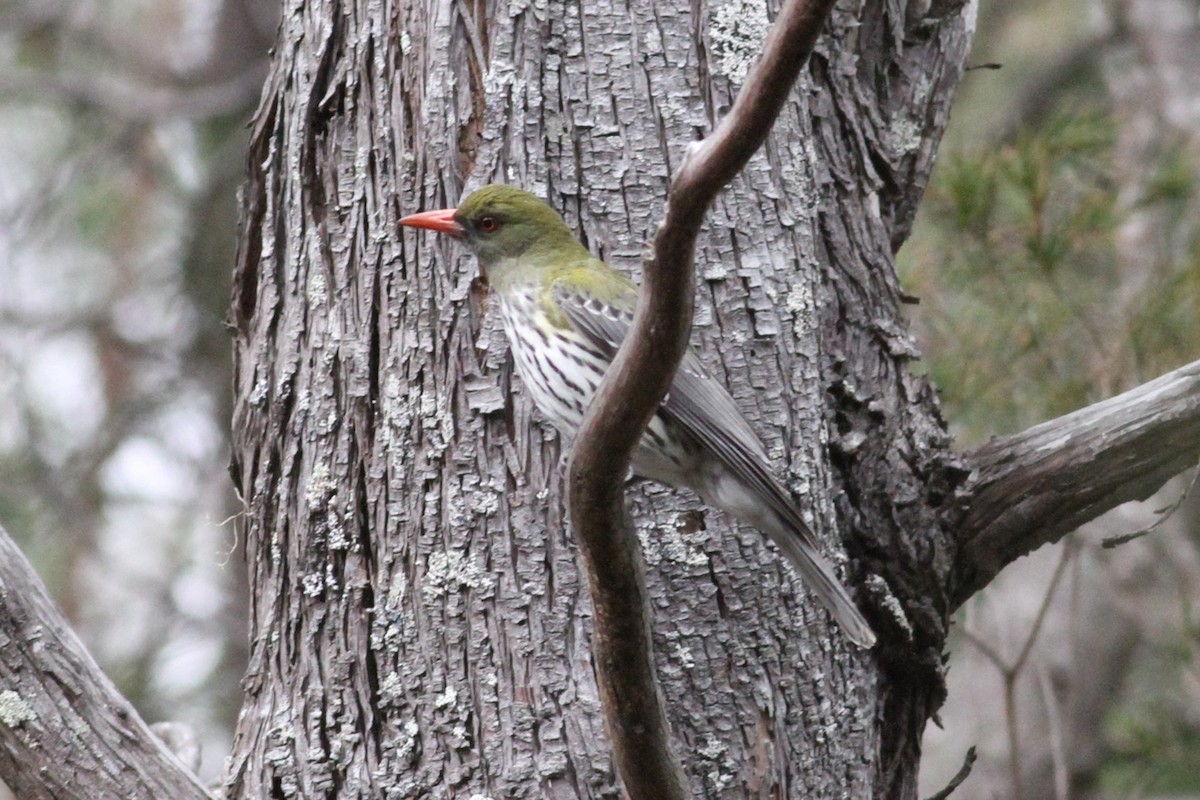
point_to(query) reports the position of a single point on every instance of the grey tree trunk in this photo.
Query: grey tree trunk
(419, 626)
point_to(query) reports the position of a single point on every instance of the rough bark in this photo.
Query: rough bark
(630, 395)
(415, 592)
(418, 621)
(419, 625)
(65, 730)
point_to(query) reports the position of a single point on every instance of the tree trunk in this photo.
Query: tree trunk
(419, 625)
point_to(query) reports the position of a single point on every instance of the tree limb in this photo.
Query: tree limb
(65, 730)
(1033, 487)
(631, 393)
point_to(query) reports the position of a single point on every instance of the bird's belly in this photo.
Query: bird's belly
(560, 374)
(561, 371)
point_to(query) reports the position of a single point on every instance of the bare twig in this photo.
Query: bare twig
(985, 649)
(631, 393)
(959, 777)
(57, 708)
(1043, 610)
(1034, 487)
(1163, 514)
(1009, 673)
(1058, 747)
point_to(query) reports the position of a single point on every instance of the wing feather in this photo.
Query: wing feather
(697, 400)
(700, 405)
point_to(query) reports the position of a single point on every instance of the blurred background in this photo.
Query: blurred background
(1057, 259)
(122, 140)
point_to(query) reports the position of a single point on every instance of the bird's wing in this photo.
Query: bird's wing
(702, 406)
(696, 400)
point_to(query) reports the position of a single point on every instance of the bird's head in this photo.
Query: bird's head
(503, 224)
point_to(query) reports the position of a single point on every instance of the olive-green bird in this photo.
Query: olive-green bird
(565, 314)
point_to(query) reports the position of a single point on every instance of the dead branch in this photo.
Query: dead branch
(1036, 486)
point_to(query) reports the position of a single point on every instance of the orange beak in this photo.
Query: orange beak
(441, 221)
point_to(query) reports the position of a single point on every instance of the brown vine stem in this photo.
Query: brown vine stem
(632, 390)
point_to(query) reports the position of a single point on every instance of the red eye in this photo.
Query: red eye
(488, 224)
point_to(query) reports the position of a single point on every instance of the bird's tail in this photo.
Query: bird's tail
(741, 483)
(752, 495)
(818, 576)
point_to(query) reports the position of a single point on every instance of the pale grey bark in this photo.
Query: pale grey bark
(1035, 486)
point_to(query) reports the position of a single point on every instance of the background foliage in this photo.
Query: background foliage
(1028, 308)
(1057, 262)
(122, 129)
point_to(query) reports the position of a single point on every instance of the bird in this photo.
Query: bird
(565, 313)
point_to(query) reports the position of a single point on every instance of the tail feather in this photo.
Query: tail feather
(752, 495)
(818, 575)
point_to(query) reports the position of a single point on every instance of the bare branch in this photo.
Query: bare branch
(65, 730)
(1164, 514)
(1010, 673)
(632, 391)
(1034, 487)
(959, 777)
